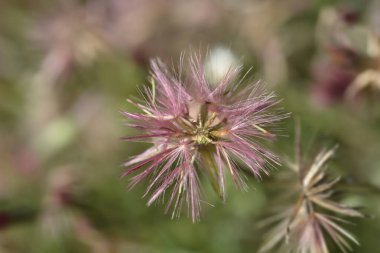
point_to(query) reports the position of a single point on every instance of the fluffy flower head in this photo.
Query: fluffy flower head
(198, 128)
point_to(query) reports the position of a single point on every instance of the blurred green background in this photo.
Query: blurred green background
(67, 68)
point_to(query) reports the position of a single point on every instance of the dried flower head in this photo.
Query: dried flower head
(304, 226)
(198, 128)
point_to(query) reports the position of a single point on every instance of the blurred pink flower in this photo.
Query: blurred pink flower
(333, 75)
(349, 62)
(199, 128)
(72, 35)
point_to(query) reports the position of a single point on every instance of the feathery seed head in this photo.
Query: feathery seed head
(197, 128)
(304, 226)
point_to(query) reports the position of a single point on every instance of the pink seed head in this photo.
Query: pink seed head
(199, 128)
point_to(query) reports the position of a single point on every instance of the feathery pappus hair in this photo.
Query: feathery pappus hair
(198, 128)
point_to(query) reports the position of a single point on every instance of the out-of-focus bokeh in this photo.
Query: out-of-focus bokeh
(68, 66)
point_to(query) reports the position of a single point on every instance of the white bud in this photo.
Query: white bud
(218, 63)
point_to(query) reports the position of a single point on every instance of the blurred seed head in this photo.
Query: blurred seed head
(314, 217)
